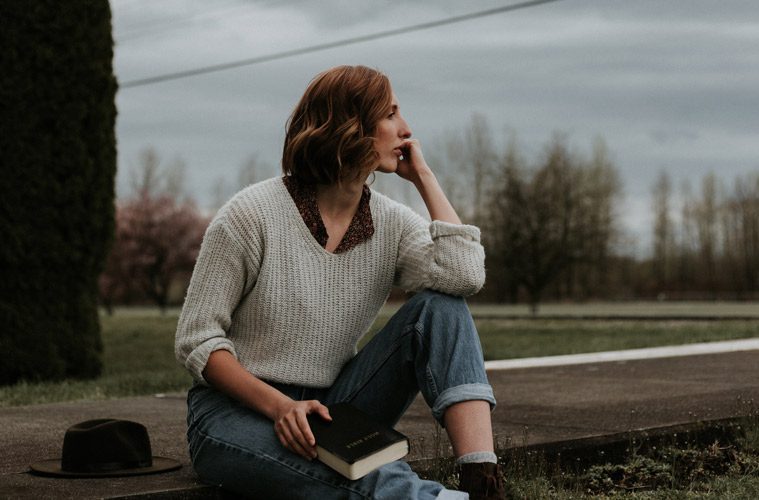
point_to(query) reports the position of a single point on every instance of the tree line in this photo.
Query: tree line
(708, 242)
(552, 230)
(550, 226)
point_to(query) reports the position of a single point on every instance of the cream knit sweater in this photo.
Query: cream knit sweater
(290, 311)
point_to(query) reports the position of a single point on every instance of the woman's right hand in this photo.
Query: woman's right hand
(292, 429)
(224, 372)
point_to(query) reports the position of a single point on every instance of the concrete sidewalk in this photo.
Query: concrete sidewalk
(536, 405)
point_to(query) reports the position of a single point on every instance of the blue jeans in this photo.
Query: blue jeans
(429, 345)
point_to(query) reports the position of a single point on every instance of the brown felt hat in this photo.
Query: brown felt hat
(105, 448)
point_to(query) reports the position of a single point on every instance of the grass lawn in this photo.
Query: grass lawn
(138, 359)
(504, 339)
(139, 352)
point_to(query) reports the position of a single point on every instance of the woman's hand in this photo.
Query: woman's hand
(224, 372)
(412, 167)
(292, 429)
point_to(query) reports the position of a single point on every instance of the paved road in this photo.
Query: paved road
(536, 405)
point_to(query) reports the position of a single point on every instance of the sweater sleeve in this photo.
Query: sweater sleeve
(224, 272)
(441, 256)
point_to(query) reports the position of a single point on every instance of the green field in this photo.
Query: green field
(138, 358)
(660, 309)
(504, 339)
(139, 354)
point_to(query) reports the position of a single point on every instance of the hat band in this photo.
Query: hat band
(106, 466)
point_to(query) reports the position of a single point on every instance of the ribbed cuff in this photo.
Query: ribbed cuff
(452, 495)
(477, 457)
(198, 358)
(439, 228)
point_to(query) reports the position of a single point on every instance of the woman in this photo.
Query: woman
(293, 271)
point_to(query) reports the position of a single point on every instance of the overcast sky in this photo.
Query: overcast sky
(668, 85)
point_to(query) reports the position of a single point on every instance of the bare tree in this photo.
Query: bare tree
(220, 193)
(553, 218)
(465, 162)
(481, 157)
(706, 215)
(250, 172)
(687, 241)
(174, 177)
(504, 239)
(663, 237)
(152, 177)
(741, 235)
(146, 176)
(717, 243)
(446, 157)
(747, 197)
(599, 190)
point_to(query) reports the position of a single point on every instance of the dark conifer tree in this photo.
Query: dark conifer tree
(58, 152)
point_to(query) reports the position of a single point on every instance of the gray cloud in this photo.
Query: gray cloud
(668, 85)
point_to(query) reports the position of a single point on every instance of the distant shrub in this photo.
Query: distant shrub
(57, 112)
(157, 242)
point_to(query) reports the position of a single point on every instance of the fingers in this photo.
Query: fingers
(289, 441)
(293, 430)
(324, 412)
(408, 147)
(413, 151)
(304, 430)
(292, 438)
(411, 143)
(413, 166)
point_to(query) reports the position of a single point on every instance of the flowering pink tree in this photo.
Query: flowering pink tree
(157, 242)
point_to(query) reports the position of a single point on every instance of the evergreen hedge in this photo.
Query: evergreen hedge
(58, 150)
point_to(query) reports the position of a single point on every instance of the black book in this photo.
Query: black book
(353, 443)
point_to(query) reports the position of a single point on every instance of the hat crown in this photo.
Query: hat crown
(106, 445)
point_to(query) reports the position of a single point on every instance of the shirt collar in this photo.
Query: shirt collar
(360, 229)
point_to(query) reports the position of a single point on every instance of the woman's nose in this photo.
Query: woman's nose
(405, 130)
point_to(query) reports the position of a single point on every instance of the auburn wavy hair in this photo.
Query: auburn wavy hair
(329, 135)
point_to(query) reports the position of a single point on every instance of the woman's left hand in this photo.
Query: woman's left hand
(413, 166)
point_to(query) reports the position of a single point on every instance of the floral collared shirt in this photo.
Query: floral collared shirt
(360, 229)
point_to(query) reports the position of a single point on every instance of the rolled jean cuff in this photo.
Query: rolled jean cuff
(451, 495)
(459, 393)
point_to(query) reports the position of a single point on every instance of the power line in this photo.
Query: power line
(329, 45)
(160, 26)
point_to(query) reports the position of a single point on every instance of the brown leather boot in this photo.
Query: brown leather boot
(482, 481)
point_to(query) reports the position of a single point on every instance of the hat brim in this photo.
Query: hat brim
(53, 468)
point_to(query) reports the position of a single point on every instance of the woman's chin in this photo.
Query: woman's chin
(387, 169)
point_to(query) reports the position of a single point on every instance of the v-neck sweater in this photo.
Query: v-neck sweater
(292, 312)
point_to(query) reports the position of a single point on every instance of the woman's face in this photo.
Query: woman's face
(389, 135)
